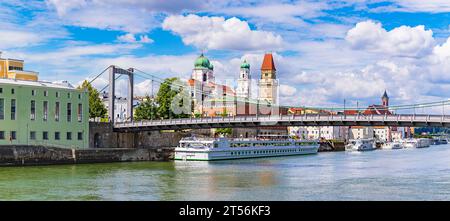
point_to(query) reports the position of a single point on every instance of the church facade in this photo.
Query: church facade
(213, 99)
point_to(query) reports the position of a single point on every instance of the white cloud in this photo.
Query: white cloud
(133, 16)
(281, 13)
(400, 41)
(443, 51)
(146, 87)
(217, 33)
(433, 6)
(64, 6)
(131, 38)
(16, 39)
(286, 90)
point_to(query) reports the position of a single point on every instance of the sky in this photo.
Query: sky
(325, 51)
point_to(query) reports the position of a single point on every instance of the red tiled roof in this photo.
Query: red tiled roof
(268, 63)
(350, 112)
(191, 82)
(377, 110)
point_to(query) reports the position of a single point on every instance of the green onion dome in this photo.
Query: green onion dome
(245, 65)
(202, 62)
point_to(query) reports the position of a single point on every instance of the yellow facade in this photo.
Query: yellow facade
(13, 69)
(21, 75)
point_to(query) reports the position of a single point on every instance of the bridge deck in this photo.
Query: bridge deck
(286, 120)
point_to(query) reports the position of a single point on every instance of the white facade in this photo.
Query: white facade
(397, 135)
(204, 75)
(268, 90)
(315, 133)
(120, 108)
(381, 134)
(243, 88)
(361, 133)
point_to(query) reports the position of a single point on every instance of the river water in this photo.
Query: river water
(406, 174)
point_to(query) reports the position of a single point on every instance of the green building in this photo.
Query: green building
(43, 113)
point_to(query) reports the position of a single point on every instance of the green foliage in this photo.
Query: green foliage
(197, 115)
(224, 131)
(224, 113)
(96, 107)
(147, 110)
(165, 96)
(423, 136)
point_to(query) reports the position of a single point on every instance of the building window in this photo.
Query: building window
(45, 93)
(1, 90)
(57, 94)
(80, 112)
(79, 96)
(2, 135)
(12, 90)
(45, 110)
(69, 136)
(57, 111)
(11, 68)
(32, 135)
(45, 135)
(2, 108)
(80, 136)
(57, 136)
(33, 110)
(13, 135)
(69, 95)
(13, 109)
(33, 92)
(69, 112)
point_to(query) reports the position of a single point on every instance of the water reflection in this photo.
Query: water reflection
(407, 174)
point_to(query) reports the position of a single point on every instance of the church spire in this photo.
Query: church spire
(385, 99)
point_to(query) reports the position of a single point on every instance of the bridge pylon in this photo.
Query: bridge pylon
(113, 71)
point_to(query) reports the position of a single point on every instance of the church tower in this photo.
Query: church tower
(203, 70)
(385, 99)
(268, 84)
(244, 81)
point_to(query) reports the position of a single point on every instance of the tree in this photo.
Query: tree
(96, 107)
(168, 91)
(224, 131)
(224, 113)
(147, 110)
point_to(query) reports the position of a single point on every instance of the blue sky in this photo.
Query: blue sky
(325, 51)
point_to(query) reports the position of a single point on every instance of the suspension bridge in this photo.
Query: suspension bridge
(333, 116)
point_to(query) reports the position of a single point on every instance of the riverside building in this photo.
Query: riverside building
(35, 112)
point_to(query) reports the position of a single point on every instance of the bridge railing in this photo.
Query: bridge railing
(286, 118)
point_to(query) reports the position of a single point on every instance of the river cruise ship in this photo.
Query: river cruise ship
(205, 149)
(416, 143)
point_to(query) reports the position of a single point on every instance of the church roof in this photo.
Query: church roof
(245, 65)
(385, 95)
(268, 63)
(203, 62)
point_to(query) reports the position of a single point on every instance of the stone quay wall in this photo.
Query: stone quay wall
(17, 155)
(101, 135)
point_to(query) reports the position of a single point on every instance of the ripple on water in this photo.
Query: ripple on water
(407, 174)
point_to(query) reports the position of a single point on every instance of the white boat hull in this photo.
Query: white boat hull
(392, 146)
(360, 145)
(191, 154)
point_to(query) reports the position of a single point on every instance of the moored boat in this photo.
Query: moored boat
(393, 145)
(360, 145)
(205, 149)
(416, 143)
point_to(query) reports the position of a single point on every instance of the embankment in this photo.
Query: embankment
(18, 155)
